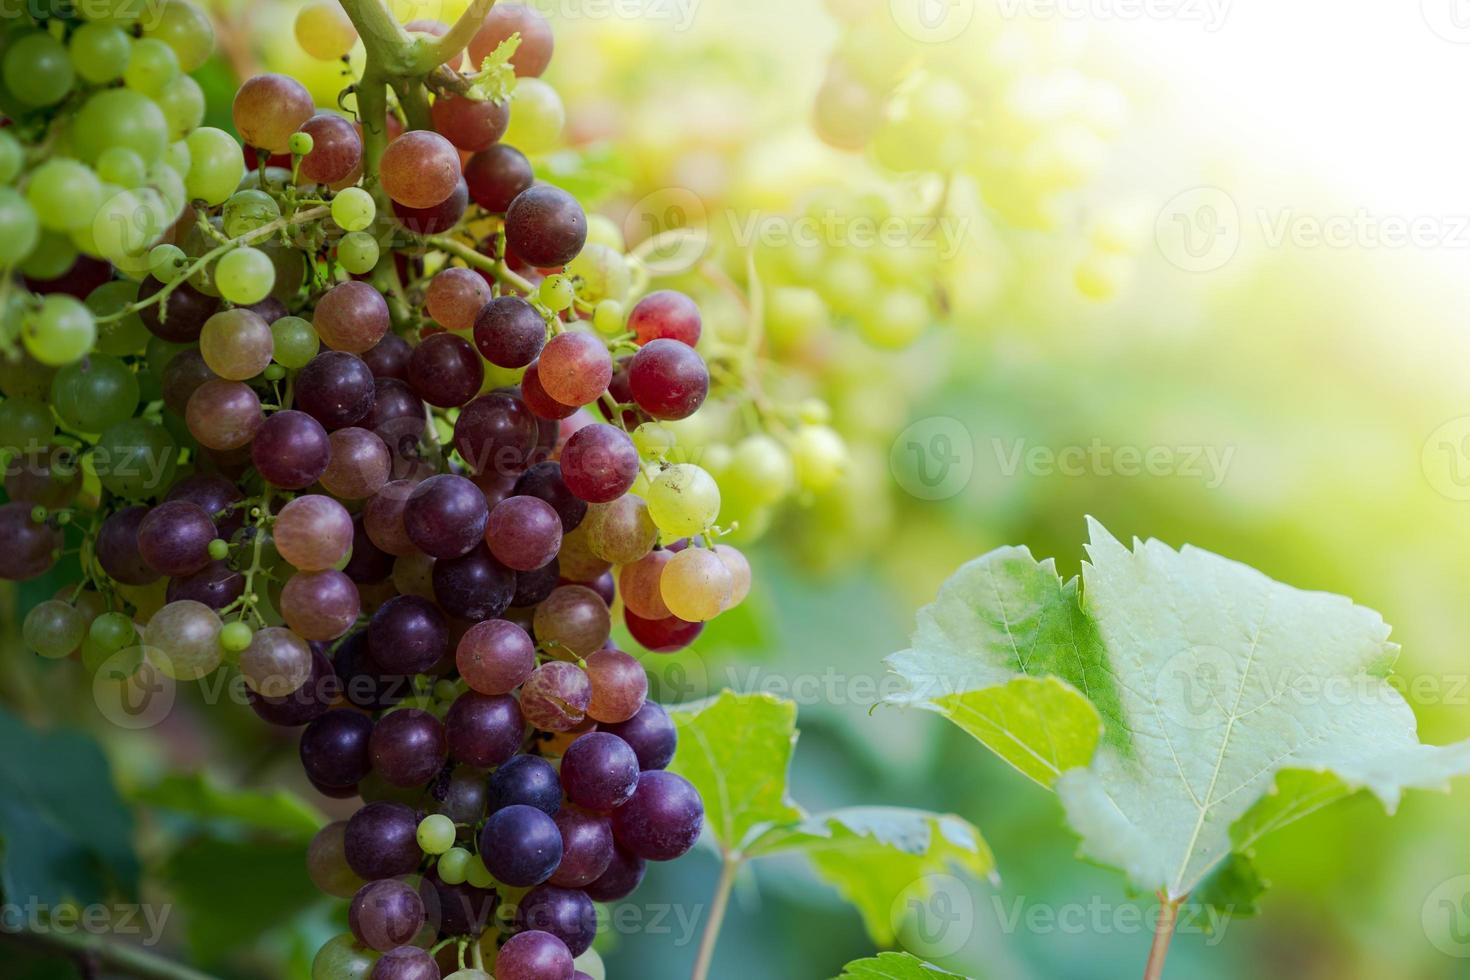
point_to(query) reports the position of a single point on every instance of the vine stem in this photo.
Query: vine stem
(502, 272)
(134, 961)
(721, 901)
(1163, 932)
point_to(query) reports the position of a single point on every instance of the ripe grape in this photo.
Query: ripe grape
(545, 226)
(383, 518)
(382, 841)
(455, 295)
(523, 532)
(555, 697)
(668, 634)
(525, 779)
(495, 657)
(336, 388)
(496, 434)
(320, 605)
(623, 875)
(385, 914)
(216, 495)
(537, 400)
(180, 318)
(186, 633)
(445, 370)
(599, 772)
(509, 332)
(360, 464)
(51, 477)
(650, 732)
(446, 516)
(439, 218)
(341, 958)
(352, 317)
(599, 464)
(117, 547)
(662, 820)
(182, 376)
(565, 913)
(619, 686)
(313, 532)
(468, 124)
(216, 585)
(621, 531)
(174, 538)
(668, 379)
(388, 358)
(326, 865)
(473, 586)
(665, 313)
(334, 750)
(407, 635)
(521, 845)
(505, 19)
(223, 415)
(269, 108)
(496, 176)
(291, 450)
(405, 963)
(536, 585)
(573, 619)
(419, 169)
(336, 148)
(276, 663)
(578, 563)
(369, 565)
(237, 344)
(534, 955)
(484, 730)
(575, 368)
(696, 585)
(408, 747)
(587, 848)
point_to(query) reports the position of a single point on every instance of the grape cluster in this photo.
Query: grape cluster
(363, 412)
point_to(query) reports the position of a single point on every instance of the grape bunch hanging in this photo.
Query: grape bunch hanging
(358, 408)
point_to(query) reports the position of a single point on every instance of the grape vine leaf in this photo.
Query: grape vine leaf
(1231, 704)
(65, 834)
(201, 797)
(496, 80)
(895, 966)
(736, 750)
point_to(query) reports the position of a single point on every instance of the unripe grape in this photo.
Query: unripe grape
(276, 663)
(696, 585)
(358, 252)
(353, 209)
(739, 569)
(819, 456)
(60, 332)
(187, 635)
(245, 276)
(237, 344)
(537, 117)
(436, 834)
(683, 500)
(215, 165)
(54, 628)
(295, 343)
(152, 65)
(324, 30)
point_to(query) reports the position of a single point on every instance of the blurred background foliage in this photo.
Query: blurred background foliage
(1321, 374)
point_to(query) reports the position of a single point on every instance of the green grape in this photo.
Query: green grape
(794, 314)
(12, 157)
(436, 833)
(184, 27)
(166, 262)
(454, 865)
(819, 456)
(187, 634)
(219, 549)
(343, 959)
(245, 275)
(19, 228)
(127, 225)
(896, 320)
(536, 117)
(112, 631)
(603, 272)
(557, 293)
(358, 252)
(25, 423)
(99, 52)
(127, 335)
(178, 158)
(54, 628)
(590, 963)
(477, 874)
(602, 230)
(51, 257)
(760, 470)
(121, 167)
(136, 458)
(683, 500)
(607, 317)
(170, 187)
(90, 394)
(37, 70)
(296, 341)
(300, 144)
(120, 117)
(235, 637)
(182, 102)
(64, 193)
(61, 331)
(696, 585)
(653, 440)
(215, 165)
(151, 66)
(121, 12)
(247, 210)
(353, 209)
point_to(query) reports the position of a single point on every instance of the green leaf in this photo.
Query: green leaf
(66, 835)
(880, 858)
(200, 796)
(1232, 890)
(894, 966)
(1231, 704)
(496, 79)
(592, 174)
(735, 749)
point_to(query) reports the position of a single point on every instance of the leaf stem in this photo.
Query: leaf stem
(1163, 932)
(728, 870)
(132, 961)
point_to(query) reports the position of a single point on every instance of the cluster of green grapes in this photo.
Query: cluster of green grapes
(357, 409)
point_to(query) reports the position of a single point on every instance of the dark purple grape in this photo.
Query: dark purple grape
(599, 772)
(385, 914)
(509, 332)
(30, 547)
(364, 683)
(291, 450)
(586, 847)
(542, 405)
(544, 480)
(473, 586)
(388, 358)
(566, 913)
(484, 730)
(445, 516)
(184, 374)
(667, 635)
(305, 704)
(216, 585)
(382, 841)
(459, 793)
(437, 219)
(217, 496)
(662, 820)
(535, 955)
(174, 538)
(445, 370)
(406, 963)
(650, 733)
(545, 226)
(496, 176)
(534, 586)
(334, 748)
(407, 635)
(457, 910)
(368, 563)
(668, 379)
(496, 433)
(623, 876)
(336, 389)
(408, 747)
(525, 779)
(606, 588)
(520, 845)
(117, 547)
(394, 399)
(599, 463)
(524, 532)
(180, 318)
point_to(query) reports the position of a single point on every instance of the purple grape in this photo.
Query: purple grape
(388, 358)
(524, 532)
(599, 463)
(606, 588)
(566, 913)
(174, 537)
(496, 176)
(668, 379)
(525, 779)
(408, 747)
(364, 682)
(496, 434)
(180, 318)
(291, 450)
(599, 772)
(484, 730)
(650, 733)
(437, 219)
(536, 585)
(544, 480)
(385, 914)
(406, 963)
(456, 910)
(305, 704)
(117, 547)
(623, 876)
(407, 635)
(368, 563)
(217, 496)
(269, 309)
(662, 820)
(334, 748)
(586, 846)
(545, 226)
(520, 845)
(445, 370)
(335, 388)
(509, 332)
(475, 586)
(459, 793)
(393, 399)
(534, 955)
(445, 516)
(382, 841)
(216, 585)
